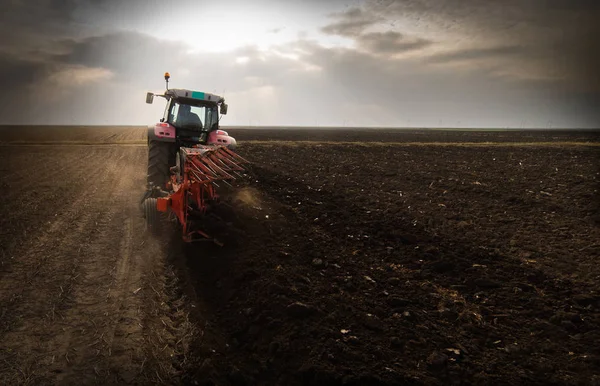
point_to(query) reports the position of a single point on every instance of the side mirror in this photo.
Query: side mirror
(223, 108)
(149, 98)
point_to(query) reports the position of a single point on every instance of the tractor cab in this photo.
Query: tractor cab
(192, 114)
(191, 117)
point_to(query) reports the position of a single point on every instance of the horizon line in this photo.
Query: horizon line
(2, 125)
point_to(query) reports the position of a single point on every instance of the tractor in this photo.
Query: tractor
(188, 157)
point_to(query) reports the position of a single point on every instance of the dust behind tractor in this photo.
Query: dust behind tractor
(189, 157)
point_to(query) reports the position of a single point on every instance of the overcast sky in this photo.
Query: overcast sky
(418, 63)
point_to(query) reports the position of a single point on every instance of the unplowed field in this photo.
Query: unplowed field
(422, 258)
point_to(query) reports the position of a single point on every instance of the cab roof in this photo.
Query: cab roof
(180, 93)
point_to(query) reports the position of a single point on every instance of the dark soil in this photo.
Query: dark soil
(405, 265)
(394, 263)
(413, 135)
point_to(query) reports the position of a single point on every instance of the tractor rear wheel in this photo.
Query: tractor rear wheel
(161, 156)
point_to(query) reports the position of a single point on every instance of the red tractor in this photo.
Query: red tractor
(188, 157)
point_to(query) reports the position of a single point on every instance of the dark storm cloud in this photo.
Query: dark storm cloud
(124, 53)
(477, 53)
(29, 30)
(38, 13)
(401, 92)
(390, 42)
(35, 35)
(18, 73)
(31, 23)
(32, 31)
(555, 37)
(351, 23)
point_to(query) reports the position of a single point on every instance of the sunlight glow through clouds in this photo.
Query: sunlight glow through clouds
(65, 82)
(218, 31)
(79, 75)
(229, 25)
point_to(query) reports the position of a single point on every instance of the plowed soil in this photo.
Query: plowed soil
(423, 258)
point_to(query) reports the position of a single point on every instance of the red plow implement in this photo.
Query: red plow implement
(194, 179)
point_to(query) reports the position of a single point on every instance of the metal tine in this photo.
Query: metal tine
(202, 172)
(234, 154)
(209, 178)
(194, 165)
(212, 163)
(229, 161)
(236, 173)
(225, 181)
(238, 159)
(223, 164)
(209, 170)
(214, 159)
(203, 160)
(202, 175)
(196, 175)
(214, 169)
(203, 181)
(225, 153)
(216, 155)
(222, 154)
(231, 164)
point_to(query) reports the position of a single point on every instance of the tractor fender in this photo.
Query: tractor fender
(163, 132)
(220, 137)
